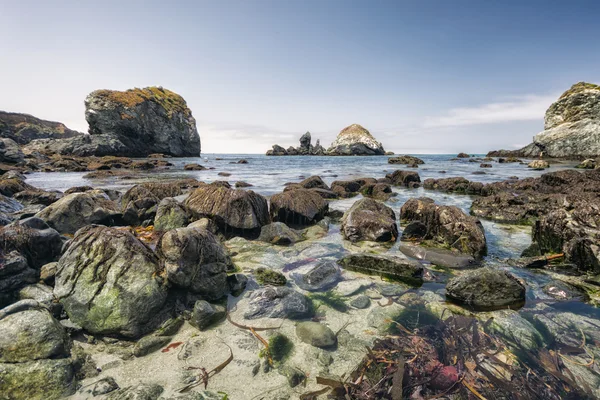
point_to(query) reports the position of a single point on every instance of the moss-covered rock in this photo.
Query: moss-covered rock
(110, 283)
(37, 380)
(369, 220)
(170, 215)
(266, 276)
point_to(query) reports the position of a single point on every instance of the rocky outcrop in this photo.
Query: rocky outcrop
(446, 226)
(23, 128)
(369, 220)
(10, 151)
(305, 148)
(354, 140)
(133, 123)
(406, 160)
(110, 283)
(571, 127)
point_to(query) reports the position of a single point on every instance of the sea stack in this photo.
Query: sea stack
(355, 140)
(571, 127)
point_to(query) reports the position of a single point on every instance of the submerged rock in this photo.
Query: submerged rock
(278, 302)
(279, 233)
(387, 266)
(355, 140)
(486, 289)
(266, 276)
(322, 276)
(206, 314)
(194, 259)
(108, 282)
(316, 334)
(369, 220)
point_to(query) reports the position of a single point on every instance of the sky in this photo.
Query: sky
(422, 76)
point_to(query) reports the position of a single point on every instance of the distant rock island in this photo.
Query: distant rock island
(132, 123)
(352, 140)
(571, 127)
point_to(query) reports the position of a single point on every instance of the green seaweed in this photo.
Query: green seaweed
(329, 299)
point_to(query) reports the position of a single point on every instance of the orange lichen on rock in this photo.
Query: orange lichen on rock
(171, 101)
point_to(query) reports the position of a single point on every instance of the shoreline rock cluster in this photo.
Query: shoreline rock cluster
(354, 140)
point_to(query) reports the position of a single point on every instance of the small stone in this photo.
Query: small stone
(266, 276)
(206, 314)
(315, 334)
(104, 385)
(293, 375)
(169, 327)
(361, 302)
(149, 344)
(322, 277)
(237, 283)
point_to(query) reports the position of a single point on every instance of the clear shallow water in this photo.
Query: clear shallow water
(268, 174)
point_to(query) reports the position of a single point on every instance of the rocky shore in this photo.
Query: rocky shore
(185, 289)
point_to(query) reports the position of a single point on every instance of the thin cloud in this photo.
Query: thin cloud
(524, 108)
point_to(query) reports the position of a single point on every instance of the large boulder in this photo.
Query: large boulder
(32, 334)
(298, 207)
(109, 282)
(369, 220)
(446, 226)
(355, 140)
(194, 259)
(406, 160)
(453, 185)
(23, 128)
(77, 210)
(235, 211)
(48, 379)
(404, 178)
(10, 151)
(571, 126)
(305, 146)
(146, 121)
(486, 289)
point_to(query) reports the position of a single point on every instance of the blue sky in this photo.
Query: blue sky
(422, 76)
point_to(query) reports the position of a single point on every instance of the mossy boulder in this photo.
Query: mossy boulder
(170, 214)
(486, 289)
(395, 268)
(194, 259)
(298, 207)
(266, 276)
(32, 334)
(369, 220)
(110, 283)
(77, 210)
(48, 379)
(236, 211)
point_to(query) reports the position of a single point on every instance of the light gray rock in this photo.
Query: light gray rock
(10, 151)
(355, 140)
(170, 215)
(322, 276)
(278, 302)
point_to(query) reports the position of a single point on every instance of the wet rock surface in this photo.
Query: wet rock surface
(278, 302)
(369, 220)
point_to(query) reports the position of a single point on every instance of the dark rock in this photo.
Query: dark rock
(379, 191)
(266, 276)
(33, 239)
(146, 121)
(242, 184)
(294, 375)
(277, 151)
(279, 233)
(390, 267)
(15, 272)
(194, 259)
(10, 151)
(447, 226)
(194, 167)
(322, 276)
(278, 302)
(406, 160)
(414, 230)
(23, 128)
(485, 165)
(486, 289)
(404, 178)
(142, 391)
(361, 302)
(149, 344)
(109, 283)
(237, 283)
(369, 220)
(234, 211)
(206, 314)
(453, 185)
(298, 207)
(463, 155)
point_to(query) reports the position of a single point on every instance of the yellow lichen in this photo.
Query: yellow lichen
(171, 101)
(579, 87)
